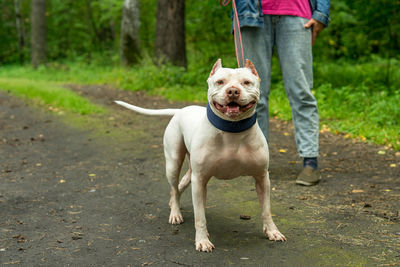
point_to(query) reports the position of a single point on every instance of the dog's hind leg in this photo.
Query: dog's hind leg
(185, 181)
(175, 151)
(173, 168)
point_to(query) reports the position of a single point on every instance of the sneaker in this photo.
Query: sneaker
(308, 177)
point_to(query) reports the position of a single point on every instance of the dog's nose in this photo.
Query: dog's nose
(233, 92)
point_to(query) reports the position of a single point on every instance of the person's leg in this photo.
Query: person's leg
(295, 55)
(257, 46)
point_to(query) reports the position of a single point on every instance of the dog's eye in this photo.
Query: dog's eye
(220, 82)
(246, 82)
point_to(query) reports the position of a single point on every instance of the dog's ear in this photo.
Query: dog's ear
(217, 66)
(250, 66)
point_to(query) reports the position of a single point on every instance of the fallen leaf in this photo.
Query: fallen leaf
(381, 152)
(74, 212)
(393, 165)
(286, 134)
(120, 252)
(92, 175)
(77, 235)
(11, 262)
(21, 239)
(357, 191)
(282, 150)
(104, 238)
(62, 181)
(245, 217)
(150, 216)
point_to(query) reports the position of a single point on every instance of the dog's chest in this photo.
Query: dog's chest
(228, 161)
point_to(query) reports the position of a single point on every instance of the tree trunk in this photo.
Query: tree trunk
(38, 30)
(130, 32)
(20, 32)
(170, 32)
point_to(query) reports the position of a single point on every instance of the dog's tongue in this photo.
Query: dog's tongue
(233, 108)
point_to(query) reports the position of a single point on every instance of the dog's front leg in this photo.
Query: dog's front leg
(263, 192)
(199, 191)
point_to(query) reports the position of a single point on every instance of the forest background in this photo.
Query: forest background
(356, 58)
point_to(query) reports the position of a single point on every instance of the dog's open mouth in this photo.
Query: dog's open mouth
(233, 108)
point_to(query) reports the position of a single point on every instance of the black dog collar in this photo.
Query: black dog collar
(230, 126)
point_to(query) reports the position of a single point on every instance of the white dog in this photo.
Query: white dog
(222, 141)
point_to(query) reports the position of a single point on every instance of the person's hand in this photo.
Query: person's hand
(317, 27)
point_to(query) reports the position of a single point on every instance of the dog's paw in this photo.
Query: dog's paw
(175, 218)
(275, 235)
(204, 245)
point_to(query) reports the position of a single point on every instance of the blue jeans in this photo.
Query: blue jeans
(293, 44)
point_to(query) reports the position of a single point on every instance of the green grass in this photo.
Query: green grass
(169, 81)
(47, 94)
(373, 117)
(354, 98)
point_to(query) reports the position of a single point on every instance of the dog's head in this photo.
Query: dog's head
(233, 93)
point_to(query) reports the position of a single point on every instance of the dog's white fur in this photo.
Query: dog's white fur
(215, 153)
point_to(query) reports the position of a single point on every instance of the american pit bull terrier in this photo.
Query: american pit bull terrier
(222, 140)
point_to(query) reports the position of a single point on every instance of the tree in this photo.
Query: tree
(170, 32)
(38, 31)
(130, 32)
(20, 32)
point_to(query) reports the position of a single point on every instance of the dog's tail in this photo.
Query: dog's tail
(145, 111)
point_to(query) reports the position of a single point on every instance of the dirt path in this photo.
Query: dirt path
(91, 192)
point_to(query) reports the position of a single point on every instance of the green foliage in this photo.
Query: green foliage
(9, 52)
(90, 30)
(147, 24)
(78, 29)
(359, 29)
(375, 75)
(208, 29)
(352, 98)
